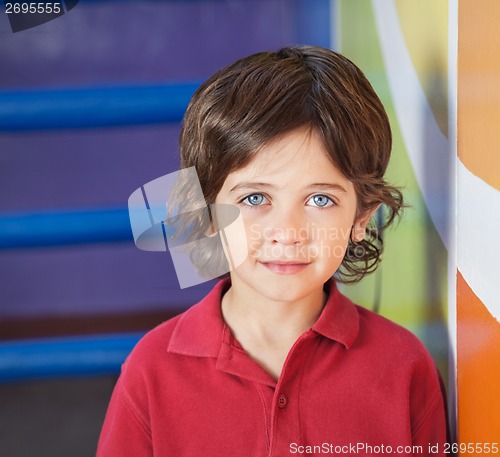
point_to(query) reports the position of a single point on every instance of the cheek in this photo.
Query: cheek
(255, 237)
(331, 234)
(332, 228)
(329, 241)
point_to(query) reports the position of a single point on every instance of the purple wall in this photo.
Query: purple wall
(103, 43)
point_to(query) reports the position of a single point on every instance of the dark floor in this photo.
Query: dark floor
(53, 418)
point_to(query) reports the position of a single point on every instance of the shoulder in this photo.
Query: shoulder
(156, 339)
(401, 357)
(373, 326)
(387, 341)
(405, 365)
(195, 332)
(151, 348)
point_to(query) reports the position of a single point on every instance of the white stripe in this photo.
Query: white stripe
(478, 213)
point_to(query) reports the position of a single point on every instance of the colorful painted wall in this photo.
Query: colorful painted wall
(430, 60)
(478, 217)
(412, 282)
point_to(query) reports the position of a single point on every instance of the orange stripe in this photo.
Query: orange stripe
(478, 358)
(479, 89)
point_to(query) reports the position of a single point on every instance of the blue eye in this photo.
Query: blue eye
(321, 201)
(254, 199)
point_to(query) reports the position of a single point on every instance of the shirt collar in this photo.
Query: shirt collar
(339, 320)
(200, 330)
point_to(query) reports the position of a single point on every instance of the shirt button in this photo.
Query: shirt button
(282, 401)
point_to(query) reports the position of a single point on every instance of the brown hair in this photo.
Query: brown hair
(254, 100)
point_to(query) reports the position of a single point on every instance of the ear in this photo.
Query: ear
(360, 224)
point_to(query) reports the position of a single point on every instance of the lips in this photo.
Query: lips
(285, 267)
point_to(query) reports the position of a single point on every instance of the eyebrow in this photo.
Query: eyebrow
(263, 185)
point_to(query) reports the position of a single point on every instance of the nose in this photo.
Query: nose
(289, 227)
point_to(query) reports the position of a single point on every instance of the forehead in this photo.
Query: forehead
(295, 159)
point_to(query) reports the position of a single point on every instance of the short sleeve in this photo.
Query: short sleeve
(428, 407)
(125, 431)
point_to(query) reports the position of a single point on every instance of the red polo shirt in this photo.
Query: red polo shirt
(355, 383)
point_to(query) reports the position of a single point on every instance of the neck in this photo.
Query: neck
(269, 322)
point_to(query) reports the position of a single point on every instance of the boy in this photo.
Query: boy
(275, 361)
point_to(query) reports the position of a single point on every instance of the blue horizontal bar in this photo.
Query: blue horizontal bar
(69, 108)
(71, 356)
(59, 228)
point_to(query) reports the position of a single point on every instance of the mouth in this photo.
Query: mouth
(285, 267)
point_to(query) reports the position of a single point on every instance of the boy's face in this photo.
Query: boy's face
(298, 210)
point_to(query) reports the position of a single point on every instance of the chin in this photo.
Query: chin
(286, 289)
